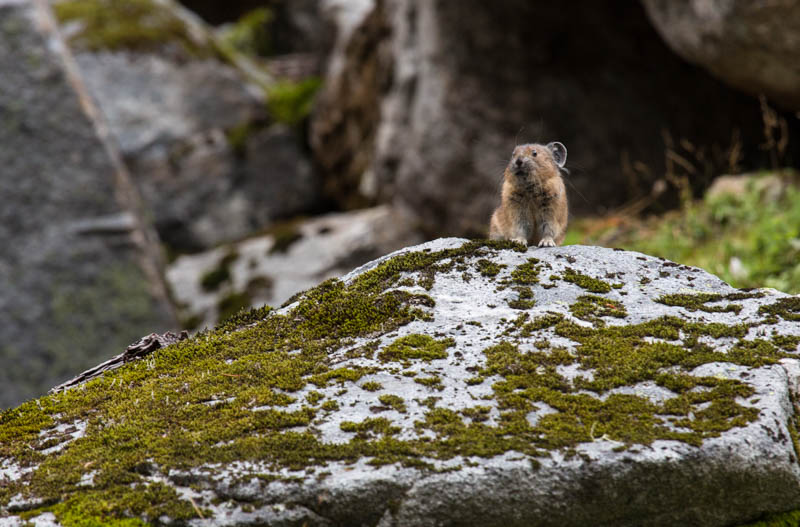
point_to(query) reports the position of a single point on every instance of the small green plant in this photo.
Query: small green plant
(290, 102)
(489, 268)
(394, 401)
(416, 346)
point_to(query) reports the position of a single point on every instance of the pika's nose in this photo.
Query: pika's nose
(518, 162)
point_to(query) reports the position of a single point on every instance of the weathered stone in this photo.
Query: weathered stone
(754, 46)
(416, 392)
(453, 85)
(770, 187)
(80, 274)
(195, 132)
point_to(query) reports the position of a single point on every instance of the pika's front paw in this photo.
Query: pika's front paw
(523, 241)
(547, 242)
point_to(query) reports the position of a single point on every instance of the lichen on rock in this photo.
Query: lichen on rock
(402, 379)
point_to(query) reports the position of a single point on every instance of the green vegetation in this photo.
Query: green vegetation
(783, 519)
(370, 427)
(434, 382)
(330, 406)
(696, 301)
(489, 268)
(591, 308)
(527, 273)
(137, 25)
(290, 102)
(394, 401)
(786, 308)
(477, 413)
(749, 240)
(586, 282)
(524, 299)
(313, 397)
(416, 346)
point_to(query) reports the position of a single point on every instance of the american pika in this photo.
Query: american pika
(533, 207)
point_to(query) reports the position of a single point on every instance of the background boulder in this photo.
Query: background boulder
(430, 99)
(80, 272)
(754, 46)
(192, 122)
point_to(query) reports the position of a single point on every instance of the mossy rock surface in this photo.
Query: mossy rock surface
(374, 400)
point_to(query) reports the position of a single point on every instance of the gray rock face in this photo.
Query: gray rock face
(454, 85)
(79, 272)
(197, 138)
(149, 100)
(558, 387)
(754, 46)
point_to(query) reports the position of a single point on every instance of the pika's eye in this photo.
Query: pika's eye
(533, 153)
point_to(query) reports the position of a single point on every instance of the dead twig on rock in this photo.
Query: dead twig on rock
(138, 350)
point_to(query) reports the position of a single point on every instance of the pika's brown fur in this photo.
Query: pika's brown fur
(533, 208)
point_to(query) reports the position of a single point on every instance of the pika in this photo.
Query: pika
(533, 206)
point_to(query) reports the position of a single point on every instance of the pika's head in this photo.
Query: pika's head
(538, 160)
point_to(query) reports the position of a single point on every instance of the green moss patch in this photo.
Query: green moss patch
(786, 308)
(434, 382)
(393, 401)
(538, 324)
(783, 519)
(592, 308)
(370, 427)
(488, 268)
(592, 285)
(136, 25)
(290, 102)
(416, 346)
(696, 301)
(524, 299)
(527, 273)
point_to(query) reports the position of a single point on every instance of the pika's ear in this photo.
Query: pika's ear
(559, 152)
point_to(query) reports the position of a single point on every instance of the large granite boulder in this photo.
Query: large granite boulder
(191, 121)
(424, 101)
(451, 383)
(80, 273)
(754, 46)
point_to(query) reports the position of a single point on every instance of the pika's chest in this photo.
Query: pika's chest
(534, 193)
